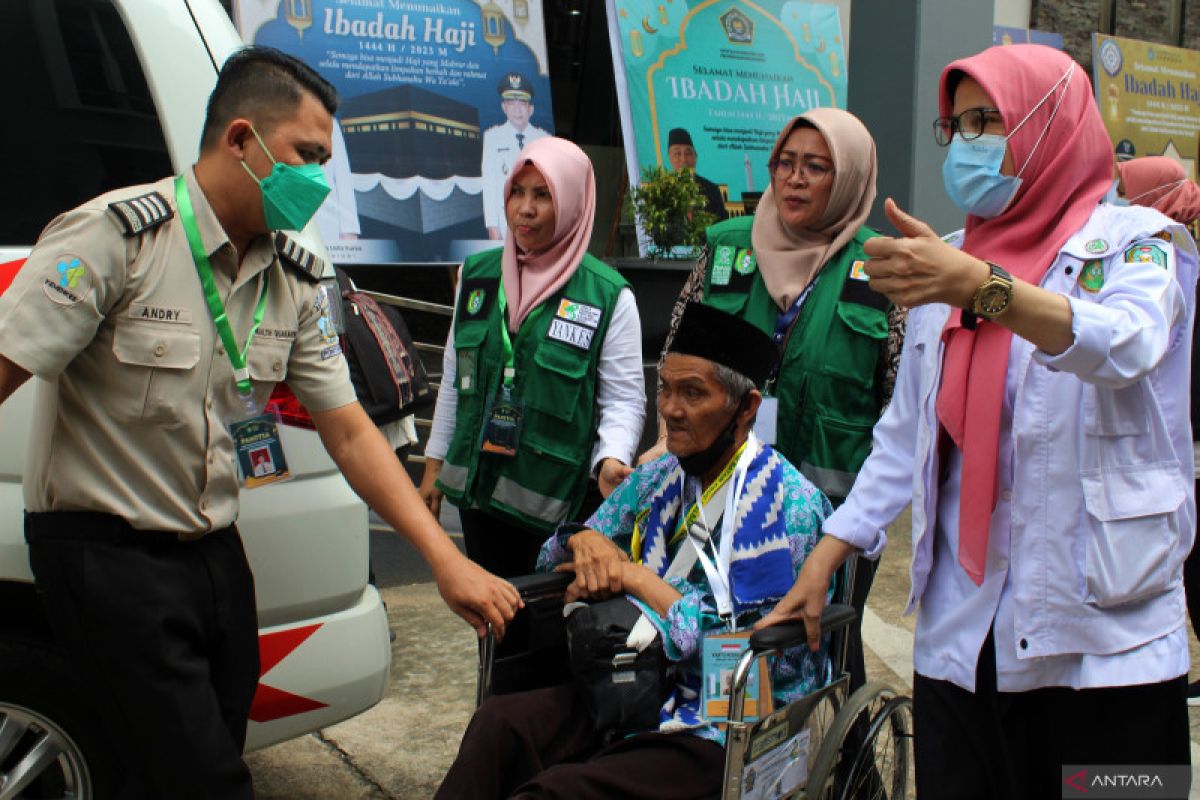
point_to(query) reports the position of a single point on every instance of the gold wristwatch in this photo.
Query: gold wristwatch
(993, 295)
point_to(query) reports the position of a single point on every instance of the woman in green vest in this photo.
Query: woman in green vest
(795, 270)
(542, 397)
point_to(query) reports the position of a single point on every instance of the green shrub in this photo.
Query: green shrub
(670, 208)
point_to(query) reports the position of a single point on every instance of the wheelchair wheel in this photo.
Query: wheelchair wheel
(867, 754)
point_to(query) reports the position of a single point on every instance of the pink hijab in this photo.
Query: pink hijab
(1064, 177)
(531, 278)
(1161, 183)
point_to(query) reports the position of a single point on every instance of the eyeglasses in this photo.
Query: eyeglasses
(812, 171)
(970, 124)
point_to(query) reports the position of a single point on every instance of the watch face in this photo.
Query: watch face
(994, 299)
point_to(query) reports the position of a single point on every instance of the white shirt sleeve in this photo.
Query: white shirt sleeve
(1124, 335)
(446, 410)
(621, 385)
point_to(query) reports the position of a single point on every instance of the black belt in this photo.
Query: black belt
(98, 526)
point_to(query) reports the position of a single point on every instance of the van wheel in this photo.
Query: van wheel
(51, 744)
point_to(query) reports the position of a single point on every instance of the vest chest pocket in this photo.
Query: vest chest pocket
(853, 353)
(155, 378)
(554, 387)
(467, 341)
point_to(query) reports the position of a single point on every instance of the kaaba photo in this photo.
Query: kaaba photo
(408, 132)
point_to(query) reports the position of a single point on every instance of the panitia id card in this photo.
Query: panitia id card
(259, 451)
(503, 417)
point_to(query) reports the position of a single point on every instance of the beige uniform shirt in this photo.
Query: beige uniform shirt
(136, 391)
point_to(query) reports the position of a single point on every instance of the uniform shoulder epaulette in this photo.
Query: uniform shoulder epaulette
(140, 214)
(308, 265)
(1164, 235)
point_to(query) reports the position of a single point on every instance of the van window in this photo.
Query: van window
(78, 116)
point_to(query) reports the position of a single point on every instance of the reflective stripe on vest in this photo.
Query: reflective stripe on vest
(527, 501)
(453, 476)
(832, 482)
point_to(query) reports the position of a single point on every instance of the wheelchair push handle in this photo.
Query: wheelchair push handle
(793, 634)
(542, 583)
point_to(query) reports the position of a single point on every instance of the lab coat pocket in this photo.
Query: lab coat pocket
(1132, 531)
(154, 382)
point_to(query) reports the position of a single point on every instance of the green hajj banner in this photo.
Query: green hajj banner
(721, 77)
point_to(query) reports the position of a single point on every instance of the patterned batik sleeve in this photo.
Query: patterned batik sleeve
(614, 518)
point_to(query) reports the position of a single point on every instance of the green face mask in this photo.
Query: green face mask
(291, 195)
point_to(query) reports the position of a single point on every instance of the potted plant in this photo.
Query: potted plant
(670, 208)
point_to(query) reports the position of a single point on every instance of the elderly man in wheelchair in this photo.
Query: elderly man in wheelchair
(675, 567)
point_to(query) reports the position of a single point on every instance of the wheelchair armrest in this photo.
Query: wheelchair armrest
(542, 583)
(793, 634)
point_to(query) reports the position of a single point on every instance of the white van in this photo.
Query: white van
(100, 94)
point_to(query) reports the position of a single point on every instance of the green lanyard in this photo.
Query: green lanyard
(510, 369)
(241, 374)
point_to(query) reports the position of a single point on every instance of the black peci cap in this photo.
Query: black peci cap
(707, 332)
(679, 136)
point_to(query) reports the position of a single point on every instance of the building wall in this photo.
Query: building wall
(1147, 20)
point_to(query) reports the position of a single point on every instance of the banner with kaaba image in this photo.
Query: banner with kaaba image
(438, 96)
(721, 77)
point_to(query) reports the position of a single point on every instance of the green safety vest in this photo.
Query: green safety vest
(555, 354)
(829, 398)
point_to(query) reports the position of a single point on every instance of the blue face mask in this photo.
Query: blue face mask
(971, 174)
(971, 171)
(291, 195)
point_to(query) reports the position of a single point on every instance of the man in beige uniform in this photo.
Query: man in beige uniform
(132, 488)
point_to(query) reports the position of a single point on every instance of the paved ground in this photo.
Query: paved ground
(400, 749)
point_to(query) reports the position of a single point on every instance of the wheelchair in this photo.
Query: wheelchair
(832, 744)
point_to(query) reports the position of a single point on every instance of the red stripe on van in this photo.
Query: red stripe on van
(8, 271)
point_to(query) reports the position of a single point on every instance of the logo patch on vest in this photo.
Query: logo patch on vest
(68, 282)
(569, 333)
(858, 271)
(1147, 254)
(1091, 277)
(745, 263)
(475, 297)
(723, 265)
(581, 313)
(180, 316)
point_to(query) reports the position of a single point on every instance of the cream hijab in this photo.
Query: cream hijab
(789, 259)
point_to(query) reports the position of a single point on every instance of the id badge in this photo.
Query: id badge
(502, 426)
(719, 656)
(764, 423)
(259, 451)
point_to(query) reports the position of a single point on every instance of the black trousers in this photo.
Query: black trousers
(504, 546)
(165, 635)
(991, 745)
(539, 745)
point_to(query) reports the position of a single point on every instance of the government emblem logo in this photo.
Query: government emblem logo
(475, 301)
(1091, 277)
(739, 28)
(1111, 59)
